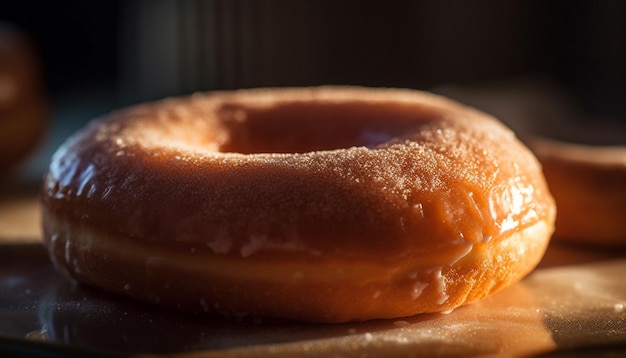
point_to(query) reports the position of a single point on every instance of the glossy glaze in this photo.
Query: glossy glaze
(397, 179)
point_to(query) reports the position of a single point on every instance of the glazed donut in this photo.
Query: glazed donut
(325, 204)
(22, 108)
(589, 185)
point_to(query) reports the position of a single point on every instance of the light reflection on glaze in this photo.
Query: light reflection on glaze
(85, 179)
(519, 204)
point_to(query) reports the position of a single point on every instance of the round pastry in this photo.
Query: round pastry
(325, 204)
(22, 112)
(589, 185)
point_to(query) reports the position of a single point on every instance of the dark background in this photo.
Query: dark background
(100, 55)
(102, 45)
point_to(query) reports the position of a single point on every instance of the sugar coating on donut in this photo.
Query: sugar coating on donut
(411, 187)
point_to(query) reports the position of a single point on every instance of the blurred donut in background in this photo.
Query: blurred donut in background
(589, 185)
(22, 106)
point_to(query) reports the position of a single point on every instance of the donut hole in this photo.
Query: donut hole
(306, 126)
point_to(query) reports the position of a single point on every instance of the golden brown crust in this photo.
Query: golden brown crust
(322, 290)
(401, 191)
(588, 184)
